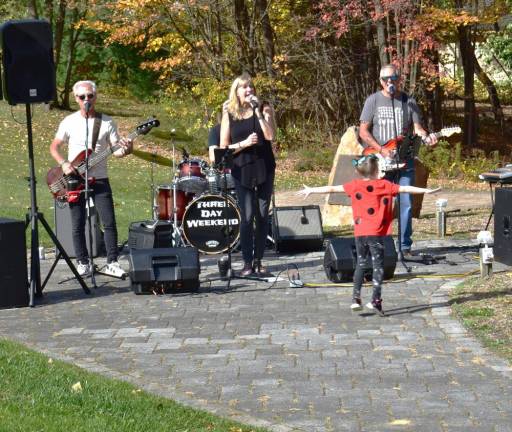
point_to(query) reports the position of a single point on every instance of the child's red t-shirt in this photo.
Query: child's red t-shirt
(372, 206)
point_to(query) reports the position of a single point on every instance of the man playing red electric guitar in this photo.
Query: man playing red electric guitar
(379, 125)
(72, 132)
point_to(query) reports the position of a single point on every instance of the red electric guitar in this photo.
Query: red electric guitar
(392, 143)
(58, 181)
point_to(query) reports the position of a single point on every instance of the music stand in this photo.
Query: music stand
(223, 158)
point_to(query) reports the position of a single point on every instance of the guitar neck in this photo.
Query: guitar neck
(96, 158)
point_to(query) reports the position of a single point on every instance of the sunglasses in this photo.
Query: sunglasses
(390, 77)
(83, 96)
(360, 161)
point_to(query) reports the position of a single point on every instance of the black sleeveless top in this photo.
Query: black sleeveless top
(251, 166)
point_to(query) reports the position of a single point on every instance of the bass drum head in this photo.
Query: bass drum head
(205, 223)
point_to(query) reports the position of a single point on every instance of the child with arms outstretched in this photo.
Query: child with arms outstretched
(372, 208)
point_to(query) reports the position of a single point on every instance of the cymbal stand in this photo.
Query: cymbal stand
(177, 240)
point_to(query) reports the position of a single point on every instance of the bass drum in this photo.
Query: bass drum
(205, 223)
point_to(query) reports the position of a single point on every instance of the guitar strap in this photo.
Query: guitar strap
(405, 115)
(96, 129)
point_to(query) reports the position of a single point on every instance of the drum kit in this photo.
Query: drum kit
(200, 202)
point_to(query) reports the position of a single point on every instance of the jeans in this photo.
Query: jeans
(407, 176)
(101, 194)
(254, 205)
(369, 247)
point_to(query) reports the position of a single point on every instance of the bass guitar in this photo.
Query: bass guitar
(59, 183)
(392, 144)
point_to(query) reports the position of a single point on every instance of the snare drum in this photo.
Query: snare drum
(206, 220)
(165, 202)
(191, 177)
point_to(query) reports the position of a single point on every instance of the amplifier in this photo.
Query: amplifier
(150, 234)
(340, 259)
(64, 234)
(297, 228)
(503, 226)
(14, 290)
(164, 270)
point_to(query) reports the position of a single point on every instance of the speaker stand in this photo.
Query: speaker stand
(33, 219)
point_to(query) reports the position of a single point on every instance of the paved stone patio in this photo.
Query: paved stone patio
(289, 359)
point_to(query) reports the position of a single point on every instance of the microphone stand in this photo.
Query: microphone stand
(87, 194)
(397, 181)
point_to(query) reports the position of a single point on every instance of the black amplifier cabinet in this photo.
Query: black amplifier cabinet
(297, 228)
(13, 264)
(150, 234)
(340, 259)
(503, 225)
(164, 270)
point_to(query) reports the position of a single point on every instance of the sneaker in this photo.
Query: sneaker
(83, 269)
(114, 269)
(375, 305)
(356, 305)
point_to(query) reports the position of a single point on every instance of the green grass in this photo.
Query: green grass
(36, 395)
(484, 308)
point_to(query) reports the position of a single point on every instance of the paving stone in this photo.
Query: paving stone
(288, 359)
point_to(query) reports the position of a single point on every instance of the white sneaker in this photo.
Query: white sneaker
(83, 269)
(114, 269)
(356, 305)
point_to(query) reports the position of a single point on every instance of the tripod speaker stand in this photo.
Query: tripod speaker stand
(29, 76)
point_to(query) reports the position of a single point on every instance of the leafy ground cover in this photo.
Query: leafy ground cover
(41, 394)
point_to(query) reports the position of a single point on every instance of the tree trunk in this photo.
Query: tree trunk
(59, 33)
(381, 36)
(220, 46)
(491, 89)
(73, 40)
(242, 23)
(268, 35)
(434, 97)
(470, 118)
(49, 11)
(32, 9)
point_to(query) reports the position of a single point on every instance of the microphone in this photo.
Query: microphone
(254, 102)
(391, 89)
(87, 106)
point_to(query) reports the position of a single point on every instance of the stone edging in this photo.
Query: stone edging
(457, 332)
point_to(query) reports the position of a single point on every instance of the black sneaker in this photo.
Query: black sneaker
(375, 305)
(356, 305)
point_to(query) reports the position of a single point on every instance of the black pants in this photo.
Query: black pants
(102, 196)
(369, 247)
(254, 205)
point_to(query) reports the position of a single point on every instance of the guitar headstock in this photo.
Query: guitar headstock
(447, 132)
(145, 127)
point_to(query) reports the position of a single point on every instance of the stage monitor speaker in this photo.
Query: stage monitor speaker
(150, 234)
(13, 264)
(297, 228)
(64, 232)
(29, 68)
(164, 270)
(340, 259)
(503, 225)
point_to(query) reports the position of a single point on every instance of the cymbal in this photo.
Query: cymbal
(153, 157)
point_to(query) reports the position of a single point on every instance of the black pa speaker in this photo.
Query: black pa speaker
(64, 234)
(340, 259)
(13, 264)
(297, 228)
(503, 226)
(164, 270)
(29, 68)
(150, 234)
